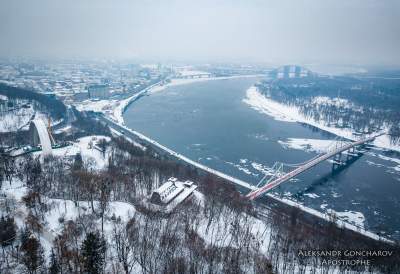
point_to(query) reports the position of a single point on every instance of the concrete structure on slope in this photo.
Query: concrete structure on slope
(41, 136)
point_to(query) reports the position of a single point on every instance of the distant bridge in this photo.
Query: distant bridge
(279, 177)
(193, 75)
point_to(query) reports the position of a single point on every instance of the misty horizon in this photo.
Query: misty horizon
(303, 32)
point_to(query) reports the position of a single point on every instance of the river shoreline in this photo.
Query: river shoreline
(284, 201)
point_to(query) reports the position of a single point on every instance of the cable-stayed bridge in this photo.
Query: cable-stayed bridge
(278, 177)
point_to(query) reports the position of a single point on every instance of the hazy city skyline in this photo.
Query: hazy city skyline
(347, 32)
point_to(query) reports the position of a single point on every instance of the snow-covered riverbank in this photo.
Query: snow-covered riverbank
(286, 113)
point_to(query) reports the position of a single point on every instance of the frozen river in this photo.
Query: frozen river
(209, 123)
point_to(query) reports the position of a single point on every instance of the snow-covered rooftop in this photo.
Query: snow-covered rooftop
(172, 192)
(166, 192)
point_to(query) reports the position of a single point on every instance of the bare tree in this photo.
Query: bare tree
(125, 240)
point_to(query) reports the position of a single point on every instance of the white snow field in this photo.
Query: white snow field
(91, 155)
(14, 120)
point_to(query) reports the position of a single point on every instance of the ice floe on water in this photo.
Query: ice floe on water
(287, 194)
(311, 195)
(262, 168)
(259, 136)
(253, 168)
(242, 168)
(391, 169)
(374, 164)
(309, 145)
(197, 147)
(353, 217)
(386, 158)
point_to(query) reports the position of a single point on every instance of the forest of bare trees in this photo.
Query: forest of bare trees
(364, 106)
(217, 234)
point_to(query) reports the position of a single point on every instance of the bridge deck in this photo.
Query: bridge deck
(256, 193)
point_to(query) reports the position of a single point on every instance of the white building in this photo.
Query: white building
(171, 193)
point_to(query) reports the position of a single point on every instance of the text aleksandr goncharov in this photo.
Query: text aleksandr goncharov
(345, 257)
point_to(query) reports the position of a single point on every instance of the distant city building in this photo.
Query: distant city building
(290, 71)
(286, 71)
(297, 71)
(80, 96)
(98, 91)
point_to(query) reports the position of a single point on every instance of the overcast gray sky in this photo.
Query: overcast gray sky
(301, 31)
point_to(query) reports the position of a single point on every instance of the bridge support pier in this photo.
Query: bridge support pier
(337, 161)
(351, 154)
